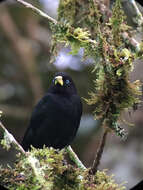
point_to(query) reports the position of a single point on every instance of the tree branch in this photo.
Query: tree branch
(74, 158)
(99, 153)
(38, 11)
(9, 140)
(132, 41)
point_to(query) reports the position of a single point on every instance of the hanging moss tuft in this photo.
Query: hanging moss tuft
(102, 40)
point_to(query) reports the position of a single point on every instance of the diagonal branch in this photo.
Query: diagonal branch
(9, 139)
(38, 11)
(99, 153)
(74, 158)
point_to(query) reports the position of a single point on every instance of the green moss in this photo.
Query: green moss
(117, 23)
(6, 141)
(57, 174)
(67, 11)
(102, 41)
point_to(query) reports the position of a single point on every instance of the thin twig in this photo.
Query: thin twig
(97, 159)
(75, 158)
(41, 13)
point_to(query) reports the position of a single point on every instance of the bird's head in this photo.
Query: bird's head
(63, 84)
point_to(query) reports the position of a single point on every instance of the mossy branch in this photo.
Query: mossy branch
(46, 169)
(8, 140)
(75, 158)
(30, 159)
(130, 40)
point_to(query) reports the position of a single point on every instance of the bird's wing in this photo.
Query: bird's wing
(40, 111)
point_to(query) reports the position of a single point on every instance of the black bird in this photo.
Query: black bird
(56, 118)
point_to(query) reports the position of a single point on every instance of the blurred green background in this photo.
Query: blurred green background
(26, 71)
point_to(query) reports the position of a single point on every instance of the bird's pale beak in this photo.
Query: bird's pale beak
(59, 80)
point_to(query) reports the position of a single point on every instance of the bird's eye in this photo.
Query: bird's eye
(67, 81)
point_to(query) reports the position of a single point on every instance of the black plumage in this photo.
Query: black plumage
(56, 118)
